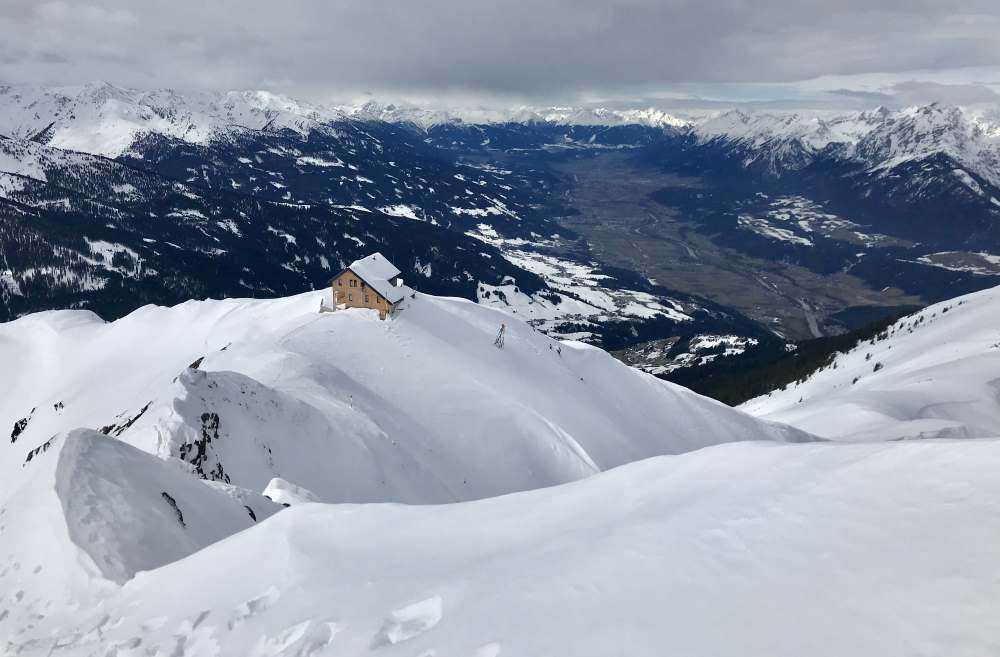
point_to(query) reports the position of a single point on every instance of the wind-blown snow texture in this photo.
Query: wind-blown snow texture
(740, 549)
(85, 512)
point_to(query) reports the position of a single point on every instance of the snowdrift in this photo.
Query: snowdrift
(85, 512)
(932, 374)
(419, 409)
(740, 549)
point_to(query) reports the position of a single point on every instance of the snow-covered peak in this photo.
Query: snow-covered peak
(103, 119)
(814, 130)
(373, 110)
(427, 118)
(919, 132)
(881, 139)
(649, 117)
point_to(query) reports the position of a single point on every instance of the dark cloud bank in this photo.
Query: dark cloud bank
(532, 50)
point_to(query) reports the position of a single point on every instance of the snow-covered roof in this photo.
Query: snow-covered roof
(390, 292)
(374, 267)
(377, 272)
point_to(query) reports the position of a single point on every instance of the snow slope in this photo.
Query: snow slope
(421, 408)
(84, 513)
(739, 549)
(931, 374)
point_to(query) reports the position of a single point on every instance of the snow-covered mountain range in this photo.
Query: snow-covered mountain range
(201, 185)
(880, 139)
(132, 518)
(103, 119)
(102, 189)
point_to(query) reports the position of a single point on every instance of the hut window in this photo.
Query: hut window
(350, 297)
(354, 282)
(340, 283)
(366, 298)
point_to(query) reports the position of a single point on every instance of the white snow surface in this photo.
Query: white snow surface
(935, 375)
(752, 545)
(285, 492)
(741, 549)
(419, 408)
(87, 512)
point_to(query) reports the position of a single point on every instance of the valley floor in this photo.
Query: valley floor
(624, 227)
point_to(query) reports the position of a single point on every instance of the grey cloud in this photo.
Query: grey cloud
(522, 48)
(917, 93)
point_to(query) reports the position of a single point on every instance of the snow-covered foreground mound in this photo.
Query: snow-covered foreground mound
(935, 373)
(84, 512)
(420, 408)
(740, 549)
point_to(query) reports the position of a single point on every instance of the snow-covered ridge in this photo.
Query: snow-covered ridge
(419, 408)
(104, 119)
(881, 139)
(932, 374)
(138, 442)
(599, 116)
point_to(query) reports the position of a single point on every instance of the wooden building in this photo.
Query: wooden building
(369, 282)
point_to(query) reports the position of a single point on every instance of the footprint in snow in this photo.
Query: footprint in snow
(154, 624)
(302, 640)
(410, 621)
(488, 650)
(254, 606)
(193, 638)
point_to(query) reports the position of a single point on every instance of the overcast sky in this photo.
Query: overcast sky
(848, 52)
